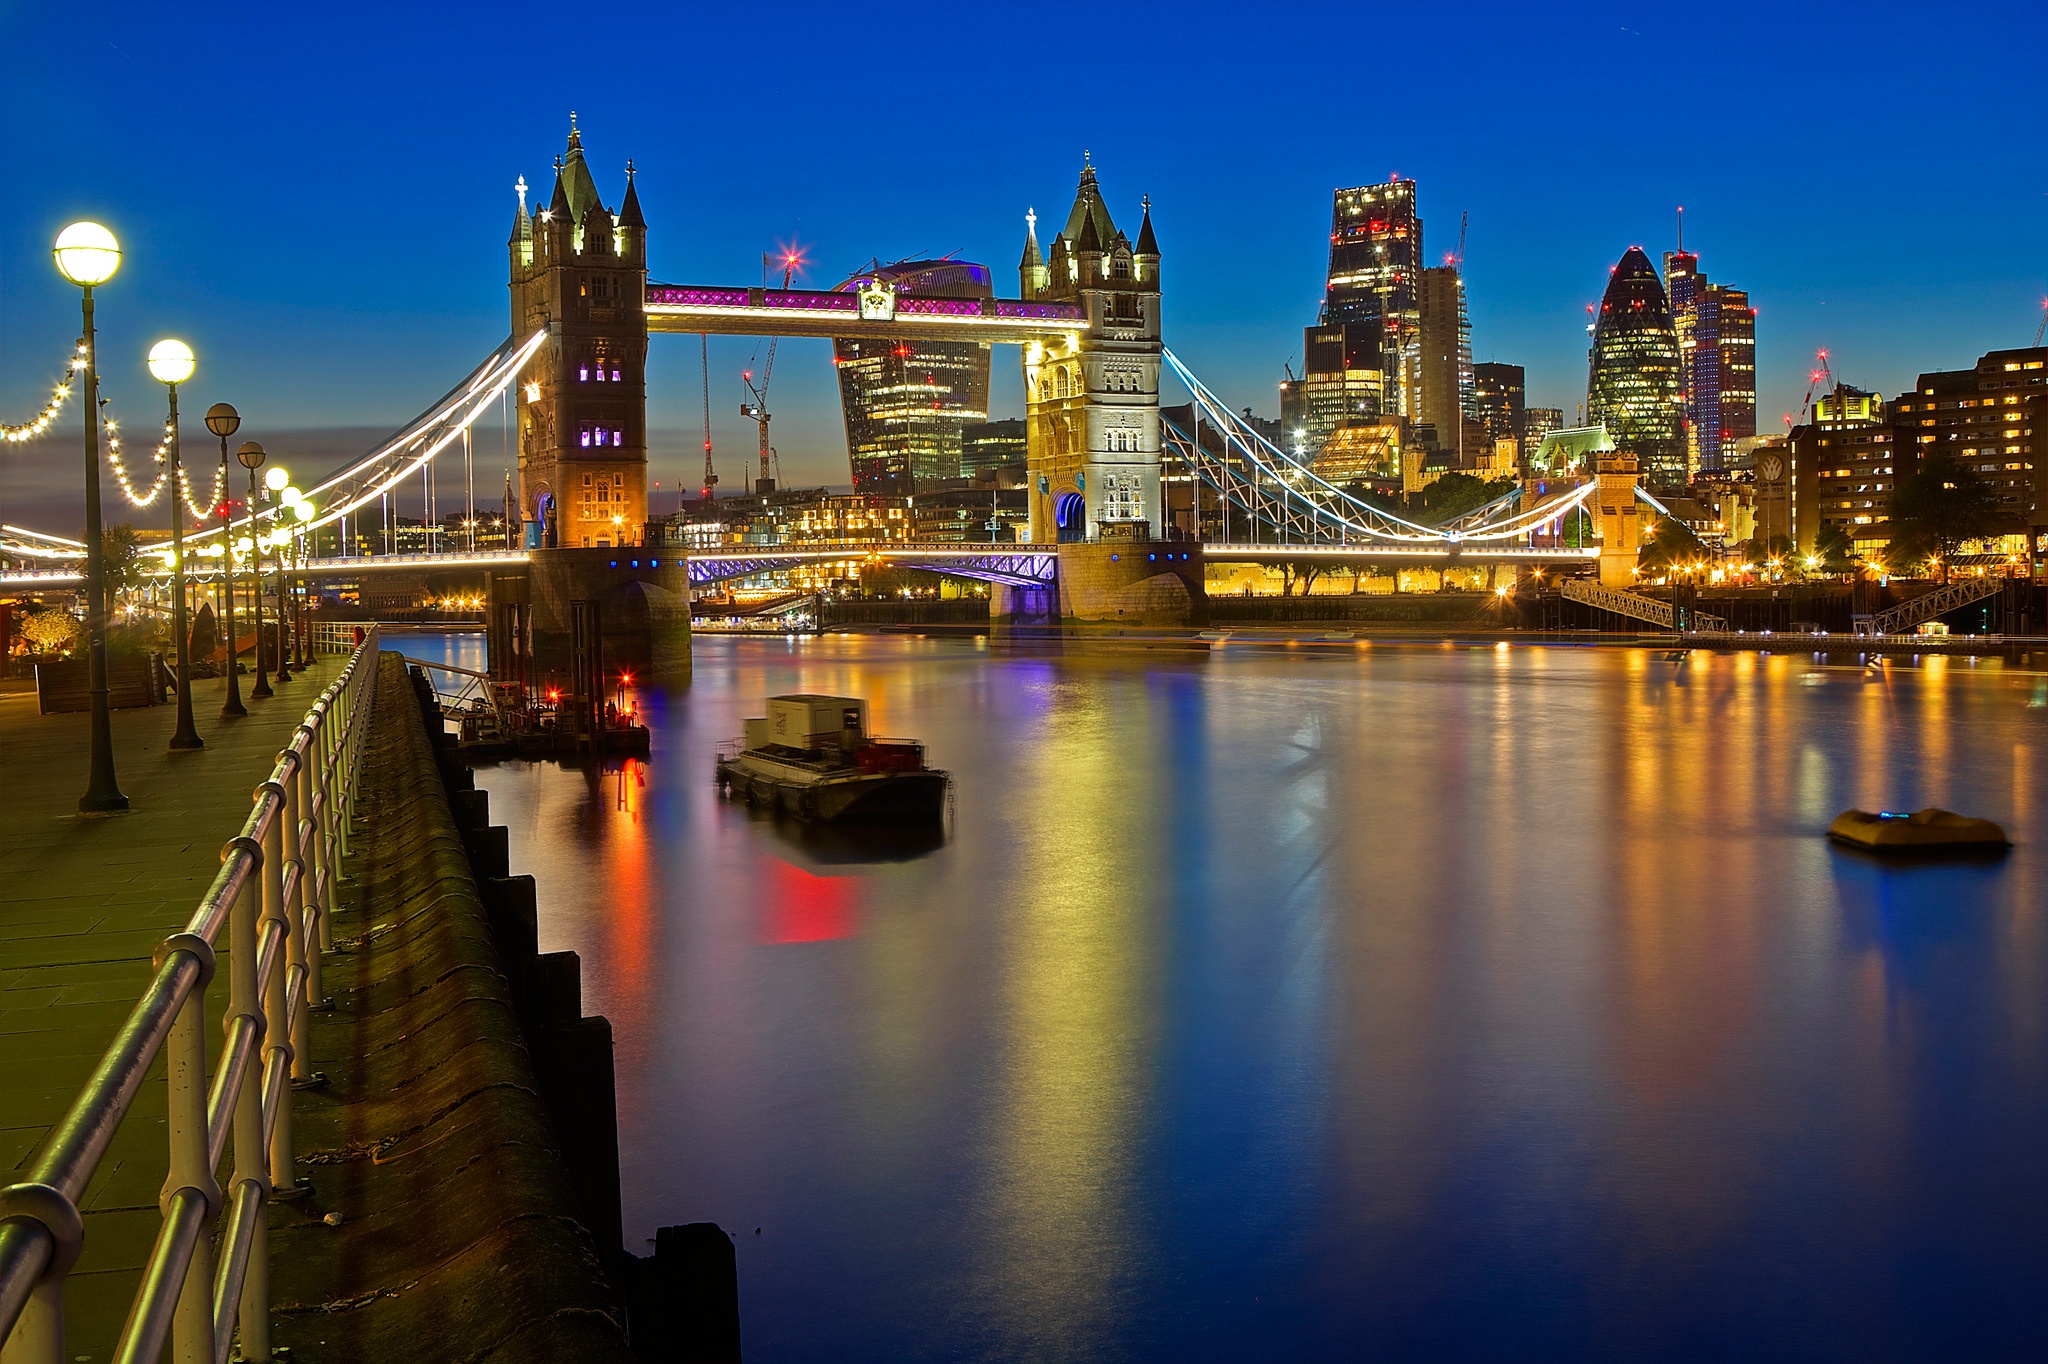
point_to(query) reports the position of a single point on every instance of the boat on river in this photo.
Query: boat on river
(812, 757)
(1922, 831)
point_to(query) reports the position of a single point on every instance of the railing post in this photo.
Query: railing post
(190, 1168)
(251, 1160)
(277, 1030)
(295, 912)
(38, 1334)
(323, 834)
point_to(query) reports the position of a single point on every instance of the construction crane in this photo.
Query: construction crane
(1813, 385)
(758, 409)
(2042, 330)
(710, 475)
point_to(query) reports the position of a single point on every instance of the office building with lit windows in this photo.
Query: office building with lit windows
(1342, 383)
(905, 402)
(1992, 419)
(1845, 463)
(1538, 422)
(1444, 364)
(1716, 330)
(1498, 393)
(1375, 280)
(1632, 386)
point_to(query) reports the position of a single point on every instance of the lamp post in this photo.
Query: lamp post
(224, 421)
(277, 481)
(87, 254)
(251, 456)
(172, 363)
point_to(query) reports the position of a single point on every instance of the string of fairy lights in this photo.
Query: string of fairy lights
(60, 394)
(200, 510)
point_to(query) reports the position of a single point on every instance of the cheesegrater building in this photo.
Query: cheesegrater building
(905, 402)
(1633, 386)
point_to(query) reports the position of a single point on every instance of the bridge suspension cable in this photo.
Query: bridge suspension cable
(409, 451)
(1278, 490)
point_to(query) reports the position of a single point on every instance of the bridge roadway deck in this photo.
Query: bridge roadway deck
(83, 904)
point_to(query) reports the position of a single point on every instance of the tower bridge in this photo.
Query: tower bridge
(1088, 322)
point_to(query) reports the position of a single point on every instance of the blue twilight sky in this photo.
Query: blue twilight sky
(317, 197)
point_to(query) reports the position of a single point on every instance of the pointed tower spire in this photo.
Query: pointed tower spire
(1032, 258)
(629, 211)
(1148, 245)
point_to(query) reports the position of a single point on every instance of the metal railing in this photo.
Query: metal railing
(1925, 607)
(275, 895)
(1635, 606)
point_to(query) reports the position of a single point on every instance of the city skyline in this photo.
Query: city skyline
(287, 281)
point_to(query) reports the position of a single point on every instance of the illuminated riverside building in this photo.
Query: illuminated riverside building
(1993, 419)
(1845, 463)
(1633, 385)
(1716, 331)
(905, 402)
(1375, 280)
(992, 445)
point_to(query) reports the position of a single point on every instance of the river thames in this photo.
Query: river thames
(1411, 1002)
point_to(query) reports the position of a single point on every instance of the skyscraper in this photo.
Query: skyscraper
(1444, 370)
(1497, 393)
(1342, 383)
(1632, 387)
(1716, 330)
(1376, 277)
(905, 402)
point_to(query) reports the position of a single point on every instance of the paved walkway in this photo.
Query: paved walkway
(83, 904)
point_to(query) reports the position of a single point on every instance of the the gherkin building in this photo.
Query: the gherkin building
(1633, 390)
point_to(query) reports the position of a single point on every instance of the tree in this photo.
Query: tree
(1938, 509)
(1672, 545)
(1455, 494)
(120, 554)
(1835, 550)
(50, 631)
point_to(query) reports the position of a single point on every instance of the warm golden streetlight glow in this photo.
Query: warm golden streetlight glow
(87, 254)
(171, 362)
(278, 479)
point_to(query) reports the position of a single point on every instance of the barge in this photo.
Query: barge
(812, 757)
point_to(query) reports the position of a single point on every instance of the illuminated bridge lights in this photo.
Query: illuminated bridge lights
(838, 313)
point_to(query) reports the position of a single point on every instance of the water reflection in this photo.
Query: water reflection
(1437, 1003)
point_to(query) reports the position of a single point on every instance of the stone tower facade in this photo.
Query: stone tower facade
(1092, 399)
(580, 271)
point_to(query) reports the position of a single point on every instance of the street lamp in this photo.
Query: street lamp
(224, 421)
(172, 363)
(251, 455)
(86, 255)
(278, 481)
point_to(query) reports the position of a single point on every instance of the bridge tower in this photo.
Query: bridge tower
(1092, 399)
(580, 270)
(1615, 517)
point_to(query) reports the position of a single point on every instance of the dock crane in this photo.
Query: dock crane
(758, 409)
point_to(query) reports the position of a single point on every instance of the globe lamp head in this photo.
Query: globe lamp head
(87, 254)
(171, 362)
(251, 455)
(278, 479)
(223, 420)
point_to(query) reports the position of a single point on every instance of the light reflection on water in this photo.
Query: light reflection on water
(1470, 1003)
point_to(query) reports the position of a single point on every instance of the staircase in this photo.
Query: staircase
(1633, 606)
(1897, 620)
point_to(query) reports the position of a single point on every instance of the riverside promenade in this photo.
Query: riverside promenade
(83, 904)
(433, 1214)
